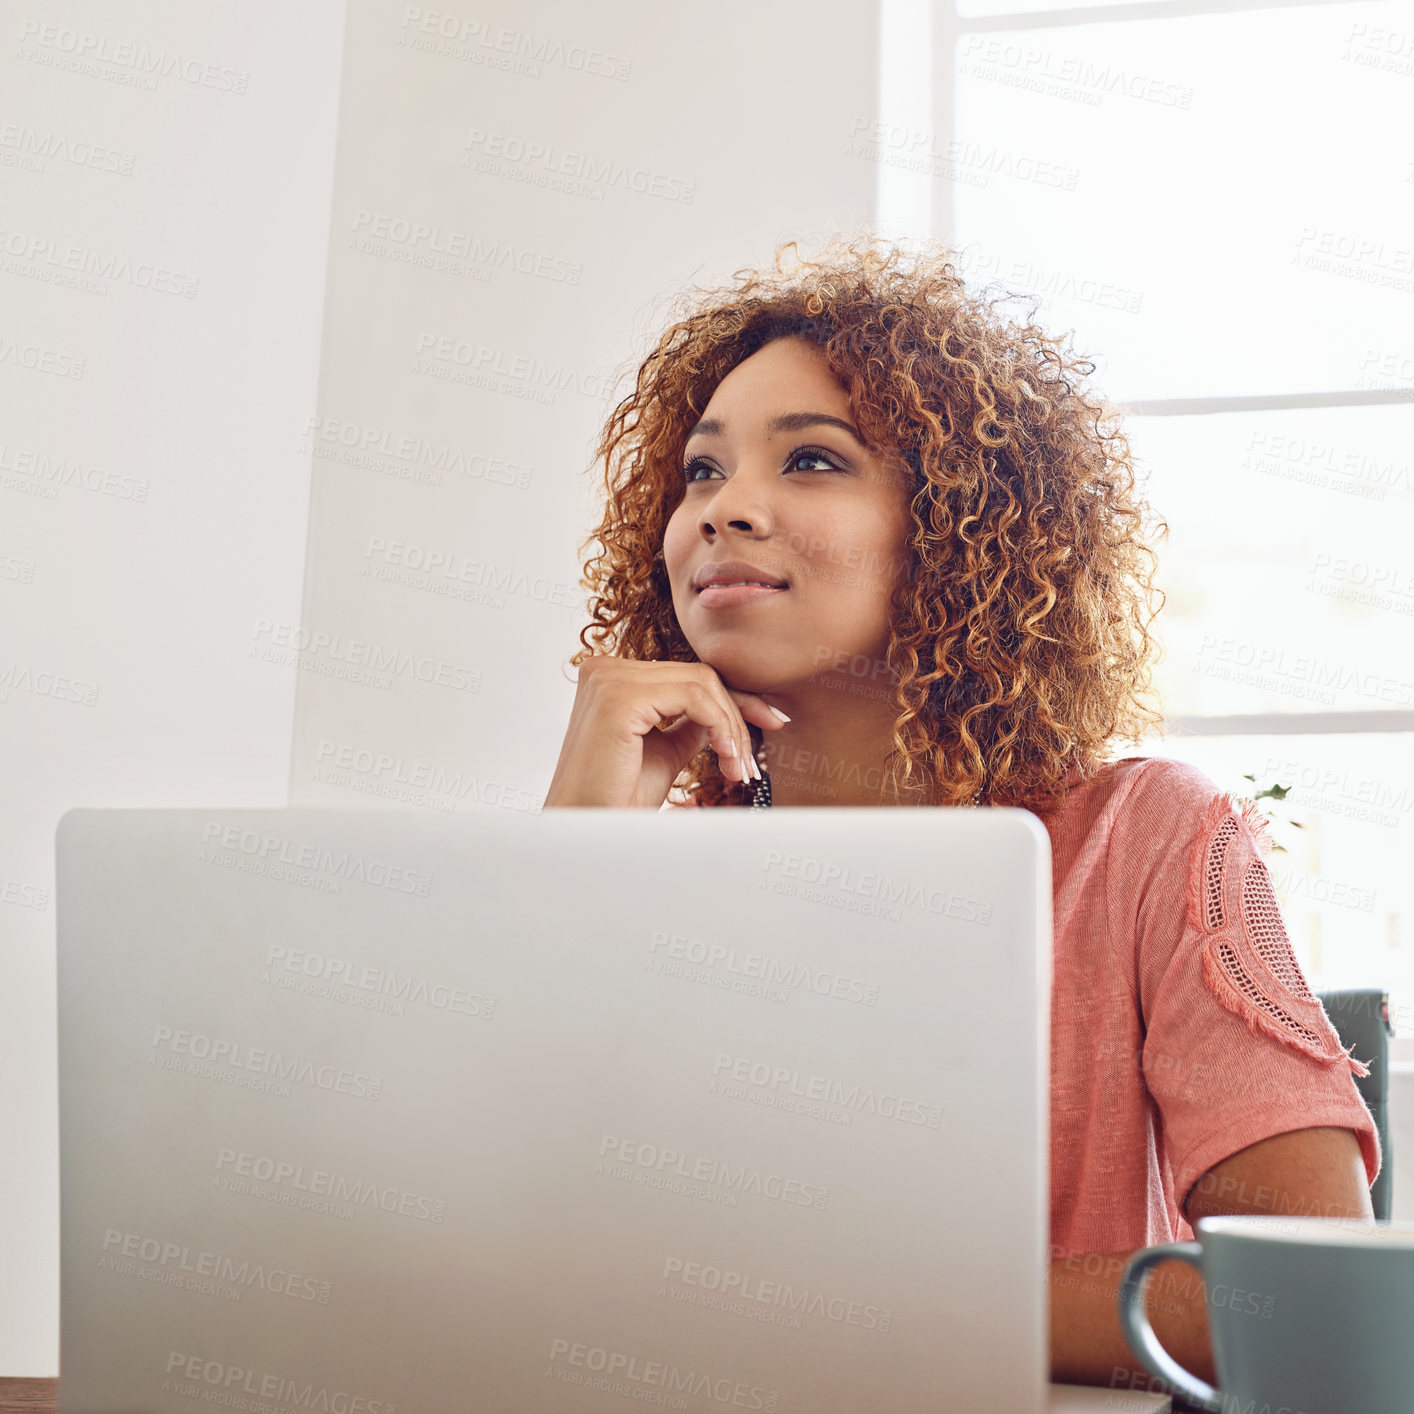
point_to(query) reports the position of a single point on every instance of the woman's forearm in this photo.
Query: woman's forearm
(1087, 1345)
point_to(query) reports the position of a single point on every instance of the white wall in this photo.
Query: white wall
(719, 136)
(153, 500)
(170, 582)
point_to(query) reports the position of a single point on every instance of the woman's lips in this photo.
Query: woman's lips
(725, 596)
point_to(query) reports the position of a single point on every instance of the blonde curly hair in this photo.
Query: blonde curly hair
(1020, 644)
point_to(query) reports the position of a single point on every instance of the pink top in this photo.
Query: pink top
(1182, 1029)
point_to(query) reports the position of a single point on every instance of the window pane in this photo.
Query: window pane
(1287, 566)
(1346, 830)
(1217, 204)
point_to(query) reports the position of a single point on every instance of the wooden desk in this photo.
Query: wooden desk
(41, 1397)
(28, 1396)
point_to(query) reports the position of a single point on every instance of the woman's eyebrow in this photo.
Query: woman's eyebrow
(786, 422)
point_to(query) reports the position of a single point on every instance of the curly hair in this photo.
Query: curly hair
(1020, 644)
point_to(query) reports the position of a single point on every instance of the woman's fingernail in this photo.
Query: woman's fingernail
(779, 713)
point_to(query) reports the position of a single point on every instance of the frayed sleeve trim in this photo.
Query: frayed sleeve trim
(1219, 808)
(1280, 1026)
(1235, 972)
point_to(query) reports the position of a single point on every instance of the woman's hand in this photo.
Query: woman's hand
(612, 756)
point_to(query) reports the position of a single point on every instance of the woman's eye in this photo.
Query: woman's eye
(801, 454)
(813, 454)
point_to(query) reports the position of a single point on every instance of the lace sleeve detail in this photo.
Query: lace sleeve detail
(1248, 961)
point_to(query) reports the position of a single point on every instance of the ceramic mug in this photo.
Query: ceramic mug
(1307, 1315)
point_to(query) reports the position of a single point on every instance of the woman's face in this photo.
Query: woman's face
(772, 481)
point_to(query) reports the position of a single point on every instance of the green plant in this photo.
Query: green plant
(1275, 793)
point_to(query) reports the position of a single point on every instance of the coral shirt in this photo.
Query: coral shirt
(1182, 1029)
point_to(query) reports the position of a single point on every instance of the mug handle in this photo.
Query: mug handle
(1134, 1322)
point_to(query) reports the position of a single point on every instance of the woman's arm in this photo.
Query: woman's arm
(1308, 1172)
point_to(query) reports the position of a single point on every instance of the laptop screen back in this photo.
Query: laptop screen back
(374, 1111)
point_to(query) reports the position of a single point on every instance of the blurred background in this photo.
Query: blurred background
(309, 316)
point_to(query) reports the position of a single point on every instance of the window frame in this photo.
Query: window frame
(945, 29)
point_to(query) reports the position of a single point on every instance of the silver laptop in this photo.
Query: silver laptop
(381, 1112)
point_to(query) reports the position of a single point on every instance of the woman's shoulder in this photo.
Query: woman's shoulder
(1109, 792)
(1176, 797)
(1162, 773)
(1149, 785)
(1155, 820)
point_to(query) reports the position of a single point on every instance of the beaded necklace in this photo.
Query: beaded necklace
(761, 790)
(759, 797)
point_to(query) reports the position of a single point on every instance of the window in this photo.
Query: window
(1217, 199)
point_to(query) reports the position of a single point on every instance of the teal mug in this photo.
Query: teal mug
(1310, 1315)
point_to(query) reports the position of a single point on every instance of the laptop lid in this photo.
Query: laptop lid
(381, 1112)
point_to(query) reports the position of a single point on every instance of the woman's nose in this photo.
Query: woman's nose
(740, 501)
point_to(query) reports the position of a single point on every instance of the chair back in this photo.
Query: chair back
(1360, 1016)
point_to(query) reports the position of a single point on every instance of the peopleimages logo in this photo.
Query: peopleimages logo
(771, 972)
(41, 359)
(743, 1287)
(845, 879)
(545, 164)
(232, 1056)
(438, 32)
(403, 987)
(225, 1384)
(45, 256)
(285, 1180)
(635, 1156)
(60, 471)
(459, 248)
(339, 864)
(416, 782)
(319, 651)
(41, 146)
(412, 458)
(81, 50)
(780, 1079)
(658, 1374)
(21, 677)
(176, 1262)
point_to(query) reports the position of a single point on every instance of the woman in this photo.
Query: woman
(866, 542)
